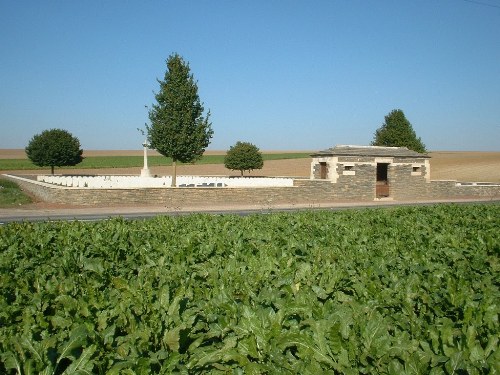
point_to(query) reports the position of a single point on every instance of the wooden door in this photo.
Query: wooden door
(323, 170)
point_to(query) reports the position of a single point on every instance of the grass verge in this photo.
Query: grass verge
(11, 194)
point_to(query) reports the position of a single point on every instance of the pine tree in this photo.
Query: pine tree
(178, 127)
(397, 131)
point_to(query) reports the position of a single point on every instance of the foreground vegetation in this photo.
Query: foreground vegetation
(382, 291)
(94, 162)
(11, 194)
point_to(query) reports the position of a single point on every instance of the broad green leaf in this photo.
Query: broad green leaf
(120, 367)
(108, 335)
(395, 368)
(94, 265)
(29, 367)
(83, 364)
(455, 363)
(60, 322)
(33, 348)
(120, 283)
(76, 340)
(476, 353)
(492, 345)
(171, 339)
(11, 361)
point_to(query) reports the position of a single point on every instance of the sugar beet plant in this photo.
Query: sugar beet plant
(391, 291)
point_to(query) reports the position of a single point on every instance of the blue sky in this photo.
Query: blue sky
(286, 75)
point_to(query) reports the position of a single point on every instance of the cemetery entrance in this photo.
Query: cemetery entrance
(382, 185)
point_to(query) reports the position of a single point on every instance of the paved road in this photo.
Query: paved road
(85, 215)
(144, 212)
(96, 216)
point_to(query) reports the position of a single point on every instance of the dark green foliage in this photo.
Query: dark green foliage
(178, 128)
(410, 290)
(243, 156)
(54, 148)
(398, 132)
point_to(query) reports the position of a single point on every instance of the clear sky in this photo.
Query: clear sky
(282, 74)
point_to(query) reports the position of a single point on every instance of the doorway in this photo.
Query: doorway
(382, 184)
(323, 171)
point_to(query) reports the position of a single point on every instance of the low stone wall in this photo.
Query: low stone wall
(303, 192)
(313, 192)
(419, 190)
(454, 189)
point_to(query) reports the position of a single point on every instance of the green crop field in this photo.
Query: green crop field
(409, 290)
(94, 162)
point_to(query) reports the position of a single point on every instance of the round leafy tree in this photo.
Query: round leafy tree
(54, 148)
(243, 156)
(178, 128)
(398, 132)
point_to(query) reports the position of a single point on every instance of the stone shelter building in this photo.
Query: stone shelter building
(373, 172)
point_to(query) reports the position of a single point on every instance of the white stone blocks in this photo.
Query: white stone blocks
(126, 182)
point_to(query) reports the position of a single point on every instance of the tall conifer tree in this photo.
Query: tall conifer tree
(398, 132)
(178, 127)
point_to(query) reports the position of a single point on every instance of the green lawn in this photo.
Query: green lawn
(134, 161)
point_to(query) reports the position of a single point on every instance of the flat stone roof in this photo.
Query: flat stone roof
(375, 151)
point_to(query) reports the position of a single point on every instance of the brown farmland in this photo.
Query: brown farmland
(470, 166)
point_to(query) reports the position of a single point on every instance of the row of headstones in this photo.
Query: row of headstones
(182, 181)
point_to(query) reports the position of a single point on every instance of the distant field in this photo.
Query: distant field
(465, 166)
(21, 154)
(15, 160)
(445, 165)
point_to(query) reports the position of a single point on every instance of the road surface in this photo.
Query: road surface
(10, 215)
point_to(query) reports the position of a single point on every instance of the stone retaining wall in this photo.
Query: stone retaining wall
(443, 189)
(304, 192)
(313, 192)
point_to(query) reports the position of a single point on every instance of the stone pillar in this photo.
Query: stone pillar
(145, 171)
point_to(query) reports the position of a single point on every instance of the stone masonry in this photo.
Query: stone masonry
(312, 192)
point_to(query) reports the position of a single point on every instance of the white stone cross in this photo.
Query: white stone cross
(145, 171)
